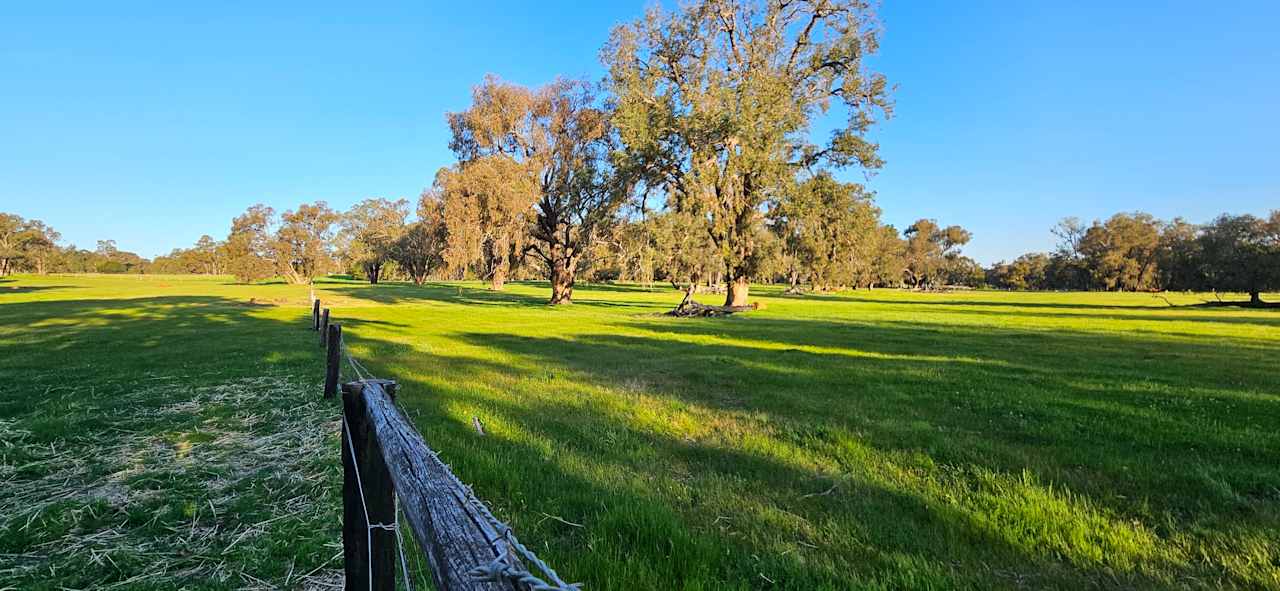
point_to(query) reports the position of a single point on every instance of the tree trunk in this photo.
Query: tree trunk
(374, 271)
(296, 277)
(1255, 297)
(562, 273)
(793, 279)
(688, 296)
(496, 252)
(736, 292)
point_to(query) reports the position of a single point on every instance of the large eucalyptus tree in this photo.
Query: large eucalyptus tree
(715, 104)
(534, 177)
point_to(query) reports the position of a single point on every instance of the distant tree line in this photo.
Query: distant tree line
(1137, 252)
(825, 235)
(31, 246)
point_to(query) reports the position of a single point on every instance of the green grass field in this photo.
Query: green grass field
(167, 432)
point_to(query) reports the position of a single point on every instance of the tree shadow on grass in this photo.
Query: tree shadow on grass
(1003, 413)
(1173, 435)
(85, 339)
(16, 289)
(871, 299)
(1151, 313)
(1175, 315)
(691, 513)
(459, 293)
(1241, 304)
(454, 293)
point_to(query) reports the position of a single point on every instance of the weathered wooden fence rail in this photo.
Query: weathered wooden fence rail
(384, 458)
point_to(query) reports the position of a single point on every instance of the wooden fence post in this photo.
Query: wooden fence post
(324, 327)
(315, 314)
(452, 534)
(333, 360)
(369, 553)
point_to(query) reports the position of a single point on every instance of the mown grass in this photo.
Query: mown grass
(858, 440)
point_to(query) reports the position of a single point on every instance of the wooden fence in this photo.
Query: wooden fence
(384, 457)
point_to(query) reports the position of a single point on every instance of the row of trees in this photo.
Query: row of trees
(305, 242)
(31, 246)
(826, 235)
(1136, 251)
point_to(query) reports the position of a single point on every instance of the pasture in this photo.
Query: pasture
(167, 432)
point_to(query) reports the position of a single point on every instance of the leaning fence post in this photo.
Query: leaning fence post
(324, 327)
(315, 314)
(368, 551)
(333, 360)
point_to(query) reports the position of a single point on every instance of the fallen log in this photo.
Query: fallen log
(690, 308)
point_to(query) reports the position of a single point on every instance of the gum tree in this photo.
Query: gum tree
(371, 228)
(928, 250)
(534, 164)
(827, 227)
(1242, 253)
(248, 245)
(29, 244)
(715, 103)
(419, 250)
(303, 243)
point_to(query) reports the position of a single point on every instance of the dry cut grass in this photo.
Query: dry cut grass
(194, 491)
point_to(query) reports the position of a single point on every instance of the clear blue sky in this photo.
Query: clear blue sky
(153, 123)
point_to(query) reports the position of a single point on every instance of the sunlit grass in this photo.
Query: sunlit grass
(878, 439)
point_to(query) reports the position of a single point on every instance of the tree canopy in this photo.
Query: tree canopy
(932, 253)
(715, 103)
(370, 230)
(533, 178)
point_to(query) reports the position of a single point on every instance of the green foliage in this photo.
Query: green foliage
(420, 248)
(1131, 252)
(1027, 272)
(248, 246)
(931, 255)
(1121, 252)
(714, 104)
(370, 230)
(207, 257)
(302, 247)
(1242, 253)
(828, 232)
(552, 145)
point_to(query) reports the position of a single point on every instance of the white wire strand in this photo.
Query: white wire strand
(404, 563)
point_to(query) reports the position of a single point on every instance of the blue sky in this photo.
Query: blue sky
(153, 123)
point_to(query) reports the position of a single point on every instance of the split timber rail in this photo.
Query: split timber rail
(384, 458)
